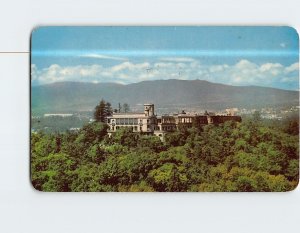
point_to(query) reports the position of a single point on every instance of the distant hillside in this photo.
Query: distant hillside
(170, 94)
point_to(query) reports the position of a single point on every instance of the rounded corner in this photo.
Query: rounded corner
(293, 30)
(36, 188)
(294, 187)
(36, 28)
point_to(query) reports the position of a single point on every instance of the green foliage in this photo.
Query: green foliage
(292, 127)
(102, 111)
(168, 178)
(151, 142)
(177, 138)
(50, 172)
(238, 157)
(125, 137)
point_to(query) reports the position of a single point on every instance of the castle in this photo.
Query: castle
(150, 124)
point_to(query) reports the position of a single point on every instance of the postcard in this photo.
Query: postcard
(164, 109)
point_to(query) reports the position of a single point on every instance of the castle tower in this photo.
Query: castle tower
(149, 109)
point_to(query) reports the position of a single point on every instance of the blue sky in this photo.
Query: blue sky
(264, 56)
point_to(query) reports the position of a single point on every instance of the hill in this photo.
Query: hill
(165, 94)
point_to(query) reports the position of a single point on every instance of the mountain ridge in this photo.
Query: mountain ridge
(148, 81)
(171, 93)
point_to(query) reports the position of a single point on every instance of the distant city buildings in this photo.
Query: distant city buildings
(150, 124)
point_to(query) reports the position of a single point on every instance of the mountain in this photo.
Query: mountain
(165, 94)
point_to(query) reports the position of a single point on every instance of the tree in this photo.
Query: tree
(102, 111)
(108, 109)
(293, 170)
(168, 178)
(125, 137)
(177, 138)
(126, 107)
(50, 173)
(293, 127)
(152, 142)
(119, 107)
(245, 156)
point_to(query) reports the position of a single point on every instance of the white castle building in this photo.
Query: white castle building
(149, 124)
(142, 122)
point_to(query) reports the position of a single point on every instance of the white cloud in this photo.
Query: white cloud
(270, 66)
(217, 68)
(244, 72)
(100, 56)
(130, 66)
(34, 73)
(292, 68)
(245, 65)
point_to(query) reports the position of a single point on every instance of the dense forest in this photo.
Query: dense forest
(247, 156)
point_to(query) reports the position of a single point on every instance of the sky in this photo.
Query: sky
(261, 56)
